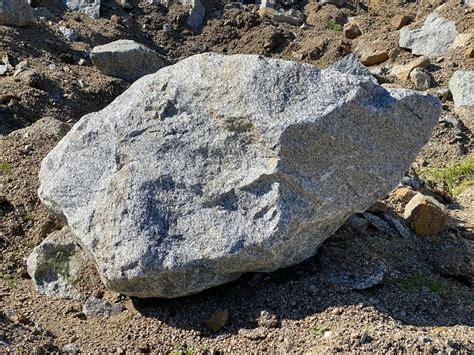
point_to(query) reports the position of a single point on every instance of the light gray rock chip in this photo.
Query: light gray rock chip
(54, 265)
(461, 86)
(362, 281)
(433, 39)
(221, 165)
(89, 7)
(15, 13)
(126, 59)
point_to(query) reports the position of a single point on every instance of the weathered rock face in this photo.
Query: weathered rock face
(126, 59)
(55, 265)
(15, 13)
(462, 88)
(88, 7)
(433, 39)
(221, 165)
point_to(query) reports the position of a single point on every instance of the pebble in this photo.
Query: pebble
(420, 78)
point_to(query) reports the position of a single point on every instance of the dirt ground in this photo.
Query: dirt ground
(425, 301)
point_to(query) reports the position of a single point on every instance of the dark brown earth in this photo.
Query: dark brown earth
(425, 301)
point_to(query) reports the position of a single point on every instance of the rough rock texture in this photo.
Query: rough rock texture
(420, 78)
(425, 215)
(54, 265)
(403, 72)
(88, 7)
(369, 56)
(15, 13)
(126, 59)
(433, 39)
(197, 13)
(350, 64)
(221, 165)
(462, 88)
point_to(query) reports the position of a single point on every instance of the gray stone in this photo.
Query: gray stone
(461, 86)
(338, 3)
(221, 165)
(470, 3)
(94, 307)
(71, 348)
(351, 64)
(433, 39)
(197, 13)
(68, 33)
(420, 78)
(55, 265)
(89, 7)
(46, 127)
(360, 281)
(15, 13)
(126, 59)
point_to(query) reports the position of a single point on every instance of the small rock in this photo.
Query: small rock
(267, 320)
(351, 31)
(420, 78)
(125, 5)
(71, 348)
(403, 194)
(15, 13)
(402, 72)
(54, 265)
(68, 33)
(400, 21)
(373, 57)
(399, 225)
(217, 320)
(253, 334)
(360, 282)
(126, 59)
(88, 7)
(469, 53)
(380, 224)
(197, 13)
(461, 86)
(414, 183)
(94, 307)
(433, 39)
(338, 3)
(425, 215)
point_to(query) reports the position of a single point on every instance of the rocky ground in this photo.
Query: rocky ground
(371, 287)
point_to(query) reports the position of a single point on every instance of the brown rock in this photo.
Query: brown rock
(217, 320)
(402, 72)
(372, 57)
(469, 53)
(425, 215)
(351, 30)
(403, 195)
(400, 21)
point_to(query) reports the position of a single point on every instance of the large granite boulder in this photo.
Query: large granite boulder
(126, 59)
(433, 39)
(15, 13)
(462, 88)
(221, 165)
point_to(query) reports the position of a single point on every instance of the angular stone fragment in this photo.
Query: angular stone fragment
(126, 59)
(373, 57)
(88, 7)
(351, 30)
(402, 72)
(55, 265)
(433, 39)
(209, 169)
(15, 13)
(94, 307)
(400, 21)
(462, 88)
